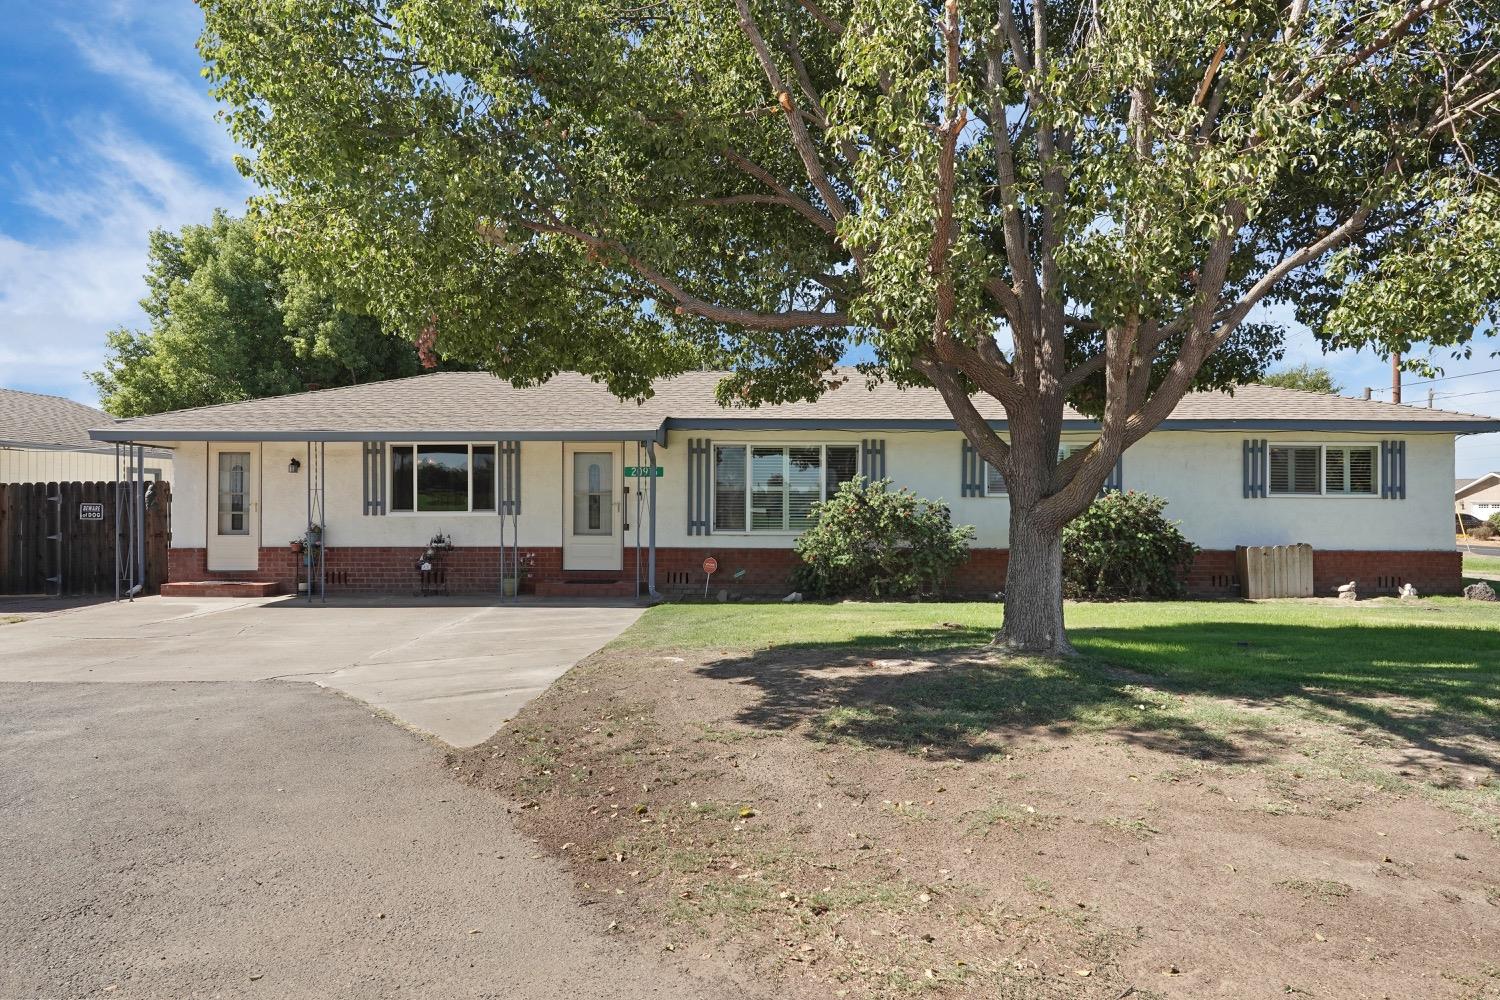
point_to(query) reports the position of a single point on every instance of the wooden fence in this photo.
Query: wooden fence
(59, 538)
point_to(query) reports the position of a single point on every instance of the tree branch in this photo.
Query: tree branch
(686, 301)
(801, 139)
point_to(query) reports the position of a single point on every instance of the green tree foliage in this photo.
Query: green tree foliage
(228, 322)
(1123, 546)
(869, 540)
(1049, 202)
(1305, 377)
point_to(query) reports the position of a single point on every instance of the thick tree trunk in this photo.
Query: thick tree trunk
(1033, 588)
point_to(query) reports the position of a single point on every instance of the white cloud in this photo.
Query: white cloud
(179, 101)
(59, 296)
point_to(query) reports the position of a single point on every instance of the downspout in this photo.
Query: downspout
(651, 530)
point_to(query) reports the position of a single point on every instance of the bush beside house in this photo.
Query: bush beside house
(869, 540)
(1123, 547)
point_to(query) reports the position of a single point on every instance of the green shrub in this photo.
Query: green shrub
(1122, 547)
(1484, 532)
(1494, 521)
(868, 540)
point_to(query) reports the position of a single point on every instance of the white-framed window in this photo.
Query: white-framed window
(442, 478)
(1311, 470)
(773, 487)
(994, 482)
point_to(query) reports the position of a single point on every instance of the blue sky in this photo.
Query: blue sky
(107, 130)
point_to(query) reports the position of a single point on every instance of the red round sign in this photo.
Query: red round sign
(710, 565)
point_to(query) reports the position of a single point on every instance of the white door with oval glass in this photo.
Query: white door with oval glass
(234, 505)
(592, 534)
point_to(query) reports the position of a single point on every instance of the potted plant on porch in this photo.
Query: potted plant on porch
(524, 569)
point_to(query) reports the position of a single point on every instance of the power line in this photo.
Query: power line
(1441, 378)
(1461, 395)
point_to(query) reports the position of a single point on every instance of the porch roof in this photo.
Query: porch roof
(476, 405)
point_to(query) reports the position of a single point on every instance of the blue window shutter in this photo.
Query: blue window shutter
(1393, 470)
(700, 484)
(872, 458)
(1255, 461)
(508, 462)
(972, 471)
(374, 477)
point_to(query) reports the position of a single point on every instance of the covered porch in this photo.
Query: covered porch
(424, 514)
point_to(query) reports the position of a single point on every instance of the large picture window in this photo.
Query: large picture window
(442, 478)
(773, 487)
(1322, 470)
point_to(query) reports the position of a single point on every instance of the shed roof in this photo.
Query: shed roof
(30, 419)
(476, 404)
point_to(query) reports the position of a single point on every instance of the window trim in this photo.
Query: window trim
(1064, 449)
(390, 482)
(785, 446)
(1323, 492)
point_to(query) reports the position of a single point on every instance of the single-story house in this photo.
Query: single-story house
(557, 478)
(45, 439)
(1479, 497)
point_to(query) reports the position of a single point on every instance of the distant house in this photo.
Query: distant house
(1479, 497)
(45, 439)
(557, 477)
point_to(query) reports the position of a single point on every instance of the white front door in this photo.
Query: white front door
(234, 507)
(592, 536)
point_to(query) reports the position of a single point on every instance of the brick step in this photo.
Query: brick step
(585, 588)
(221, 588)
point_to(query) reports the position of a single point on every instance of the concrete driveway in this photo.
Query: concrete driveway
(274, 840)
(454, 668)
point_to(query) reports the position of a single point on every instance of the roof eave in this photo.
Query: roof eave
(938, 424)
(137, 435)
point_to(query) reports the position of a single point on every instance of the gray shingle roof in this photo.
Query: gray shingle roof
(28, 418)
(572, 405)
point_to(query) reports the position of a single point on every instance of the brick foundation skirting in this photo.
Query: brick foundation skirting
(767, 572)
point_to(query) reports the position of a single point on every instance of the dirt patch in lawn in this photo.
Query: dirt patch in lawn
(829, 824)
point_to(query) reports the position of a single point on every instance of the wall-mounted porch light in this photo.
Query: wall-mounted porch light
(294, 466)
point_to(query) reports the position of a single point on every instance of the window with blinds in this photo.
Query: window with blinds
(774, 487)
(994, 482)
(1294, 470)
(1349, 471)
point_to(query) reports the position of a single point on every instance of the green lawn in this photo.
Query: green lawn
(1488, 565)
(1441, 655)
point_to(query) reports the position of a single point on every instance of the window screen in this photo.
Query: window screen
(994, 482)
(843, 465)
(401, 477)
(729, 488)
(767, 489)
(804, 479)
(1349, 470)
(1294, 471)
(484, 477)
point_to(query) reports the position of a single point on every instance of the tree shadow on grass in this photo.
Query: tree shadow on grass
(1434, 687)
(939, 692)
(961, 704)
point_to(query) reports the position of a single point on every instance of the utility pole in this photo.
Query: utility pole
(1396, 377)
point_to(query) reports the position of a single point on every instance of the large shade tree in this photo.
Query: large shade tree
(229, 322)
(1041, 202)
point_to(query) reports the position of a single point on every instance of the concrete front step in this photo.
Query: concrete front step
(221, 588)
